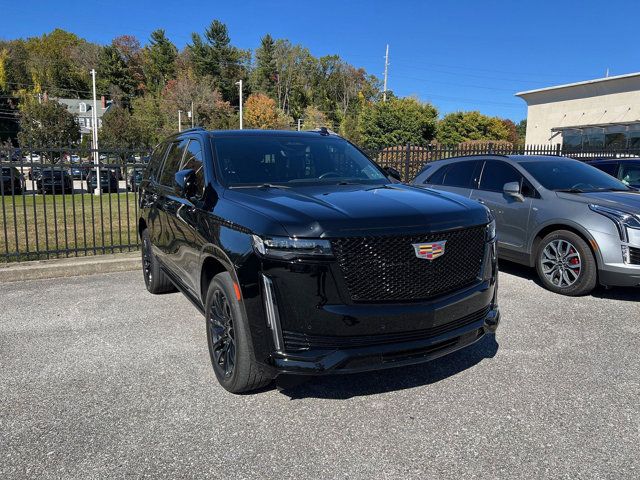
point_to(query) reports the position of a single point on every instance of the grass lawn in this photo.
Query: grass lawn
(51, 226)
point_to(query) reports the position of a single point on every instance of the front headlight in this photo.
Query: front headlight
(287, 248)
(622, 220)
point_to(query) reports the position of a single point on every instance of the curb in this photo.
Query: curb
(69, 267)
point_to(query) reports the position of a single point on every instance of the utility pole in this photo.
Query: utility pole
(179, 120)
(239, 83)
(94, 132)
(299, 123)
(386, 71)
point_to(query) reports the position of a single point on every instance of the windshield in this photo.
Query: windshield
(571, 175)
(293, 160)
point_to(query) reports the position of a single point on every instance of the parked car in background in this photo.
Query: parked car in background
(35, 171)
(306, 258)
(626, 170)
(54, 180)
(575, 224)
(12, 155)
(134, 178)
(32, 157)
(79, 172)
(108, 181)
(12, 181)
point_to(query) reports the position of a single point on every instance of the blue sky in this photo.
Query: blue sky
(460, 55)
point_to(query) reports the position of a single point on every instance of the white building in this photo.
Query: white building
(82, 110)
(595, 114)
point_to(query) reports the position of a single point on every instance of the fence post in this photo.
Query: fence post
(558, 149)
(407, 162)
(490, 148)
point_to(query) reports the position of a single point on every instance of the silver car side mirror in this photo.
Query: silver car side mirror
(512, 189)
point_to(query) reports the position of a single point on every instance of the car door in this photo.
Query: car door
(187, 240)
(457, 177)
(511, 213)
(166, 205)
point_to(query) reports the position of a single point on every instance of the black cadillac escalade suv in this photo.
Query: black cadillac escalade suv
(305, 257)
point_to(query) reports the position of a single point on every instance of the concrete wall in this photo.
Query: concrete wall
(605, 101)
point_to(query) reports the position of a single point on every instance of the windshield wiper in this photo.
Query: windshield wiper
(263, 185)
(612, 189)
(569, 190)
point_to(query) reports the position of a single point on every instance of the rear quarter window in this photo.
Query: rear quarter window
(155, 162)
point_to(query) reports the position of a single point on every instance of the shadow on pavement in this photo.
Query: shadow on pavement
(341, 387)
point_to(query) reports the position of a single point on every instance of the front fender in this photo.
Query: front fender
(567, 224)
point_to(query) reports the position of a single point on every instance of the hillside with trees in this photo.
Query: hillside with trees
(148, 83)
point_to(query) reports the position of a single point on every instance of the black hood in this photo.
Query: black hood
(349, 210)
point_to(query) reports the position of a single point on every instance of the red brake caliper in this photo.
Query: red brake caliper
(574, 260)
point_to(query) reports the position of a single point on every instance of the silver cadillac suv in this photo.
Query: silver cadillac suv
(575, 224)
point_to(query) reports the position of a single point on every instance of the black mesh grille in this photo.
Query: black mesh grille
(386, 268)
(634, 255)
(304, 341)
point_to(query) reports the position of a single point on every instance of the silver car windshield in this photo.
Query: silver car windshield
(572, 176)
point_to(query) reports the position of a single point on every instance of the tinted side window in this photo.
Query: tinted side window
(155, 163)
(193, 160)
(438, 177)
(610, 168)
(460, 174)
(496, 173)
(630, 174)
(172, 163)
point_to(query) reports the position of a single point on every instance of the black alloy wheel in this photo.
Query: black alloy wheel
(220, 323)
(147, 270)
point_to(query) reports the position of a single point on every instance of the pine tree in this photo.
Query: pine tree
(214, 56)
(160, 60)
(265, 75)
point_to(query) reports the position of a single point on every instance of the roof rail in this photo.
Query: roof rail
(323, 131)
(193, 129)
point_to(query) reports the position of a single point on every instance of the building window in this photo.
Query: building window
(572, 140)
(83, 107)
(593, 138)
(634, 139)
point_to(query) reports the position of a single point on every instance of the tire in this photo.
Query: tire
(566, 265)
(228, 339)
(155, 279)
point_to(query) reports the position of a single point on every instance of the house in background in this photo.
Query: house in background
(82, 110)
(595, 114)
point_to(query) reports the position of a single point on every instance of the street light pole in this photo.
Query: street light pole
(192, 114)
(179, 120)
(239, 83)
(386, 72)
(94, 133)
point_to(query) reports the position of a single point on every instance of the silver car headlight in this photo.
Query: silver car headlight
(287, 248)
(622, 219)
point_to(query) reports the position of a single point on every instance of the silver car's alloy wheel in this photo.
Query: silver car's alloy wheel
(561, 263)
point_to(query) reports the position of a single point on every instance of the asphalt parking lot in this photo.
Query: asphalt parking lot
(101, 379)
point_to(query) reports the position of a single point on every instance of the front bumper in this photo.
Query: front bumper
(378, 357)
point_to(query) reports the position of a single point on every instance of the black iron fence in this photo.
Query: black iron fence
(409, 159)
(60, 202)
(50, 208)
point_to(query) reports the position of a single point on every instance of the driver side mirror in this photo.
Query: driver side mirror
(185, 183)
(512, 189)
(393, 173)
